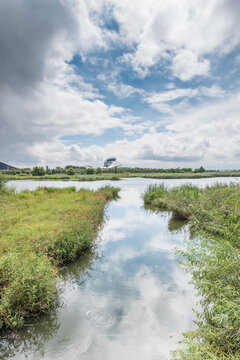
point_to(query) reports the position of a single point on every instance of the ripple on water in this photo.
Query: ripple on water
(100, 318)
(72, 346)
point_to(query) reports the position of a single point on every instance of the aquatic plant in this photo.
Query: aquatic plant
(213, 259)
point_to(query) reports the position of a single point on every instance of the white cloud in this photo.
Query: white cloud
(186, 65)
(213, 91)
(173, 95)
(123, 90)
(183, 33)
(162, 101)
(207, 134)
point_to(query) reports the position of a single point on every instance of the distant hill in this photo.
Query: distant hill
(4, 166)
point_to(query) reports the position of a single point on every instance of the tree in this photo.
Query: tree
(70, 171)
(98, 170)
(89, 171)
(38, 171)
(200, 170)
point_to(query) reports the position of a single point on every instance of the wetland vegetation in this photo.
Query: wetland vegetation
(89, 174)
(213, 259)
(40, 231)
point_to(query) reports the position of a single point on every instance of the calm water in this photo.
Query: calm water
(127, 298)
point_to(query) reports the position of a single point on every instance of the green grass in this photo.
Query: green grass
(65, 177)
(39, 231)
(192, 175)
(213, 258)
(118, 176)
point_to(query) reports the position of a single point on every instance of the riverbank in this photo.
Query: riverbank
(39, 231)
(119, 176)
(65, 177)
(193, 175)
(213, 259)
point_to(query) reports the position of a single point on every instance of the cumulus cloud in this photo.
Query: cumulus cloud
(208, 134)
(183, 33)
(43, 98)
(186, 65)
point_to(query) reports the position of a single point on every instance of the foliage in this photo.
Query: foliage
(117, 174)
(213, 258)
(200, 170)
(110, 192)
(28, 285)
(70, 171)
(39, 231)
(38, 171)
(89, 171)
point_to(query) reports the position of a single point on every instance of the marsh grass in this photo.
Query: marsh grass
(192, 175)
(213, 259)
(39, 231)
(65, 177)
(119, 175)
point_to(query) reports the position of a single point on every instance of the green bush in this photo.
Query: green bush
(90, 171)
(38, 171)
(70, 171)
(28, 286)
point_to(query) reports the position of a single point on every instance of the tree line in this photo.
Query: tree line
(72, 170)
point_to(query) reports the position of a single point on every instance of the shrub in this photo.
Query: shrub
(89, 171)
(38, 171)
(28, 286)
(70, 171)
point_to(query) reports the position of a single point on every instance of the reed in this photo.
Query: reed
(213, 258)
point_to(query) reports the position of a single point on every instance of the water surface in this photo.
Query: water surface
(127, 298)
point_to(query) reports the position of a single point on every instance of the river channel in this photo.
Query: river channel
(127, 298)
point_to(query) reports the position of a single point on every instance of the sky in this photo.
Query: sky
(155, 83)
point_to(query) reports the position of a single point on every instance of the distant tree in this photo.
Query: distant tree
(200, 170)
(58, 170)
(70, 171)
(16, 172)
(98, 170)
(89, 171)
(25, 171)
(38, 171)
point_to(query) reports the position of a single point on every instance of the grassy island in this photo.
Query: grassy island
(39, 231)
(213, 258)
